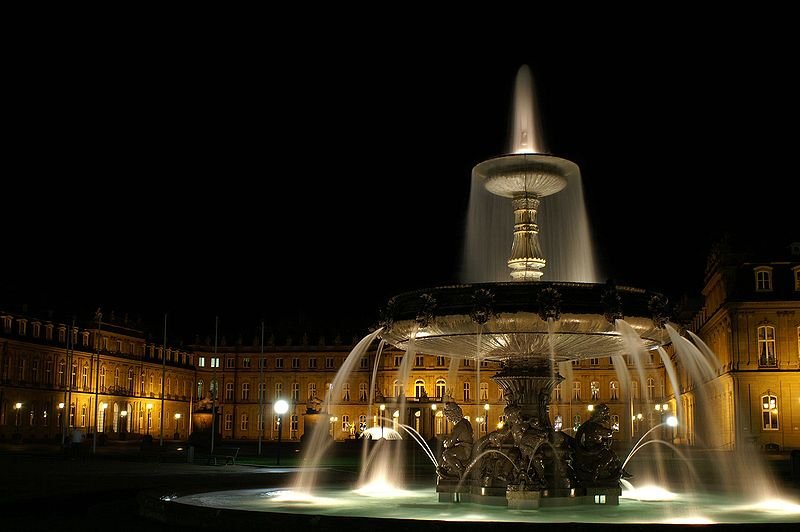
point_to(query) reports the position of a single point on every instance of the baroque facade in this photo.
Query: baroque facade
(750, 319)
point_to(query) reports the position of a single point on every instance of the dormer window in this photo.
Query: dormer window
(796, 275)
(763, 279)
(37, 329)
(48, 332)
(7, 324)
(22, 327)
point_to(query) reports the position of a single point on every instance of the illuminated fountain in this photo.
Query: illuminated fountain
(532, 329)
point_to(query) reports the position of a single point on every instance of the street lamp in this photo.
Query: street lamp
(177, 420)
(280, 407)
(382, 408)
(333, 420)
(18, 408)
(60, 414)
(149, 416)
(479, 420)
(124, 428)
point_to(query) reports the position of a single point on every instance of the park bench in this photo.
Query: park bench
(226, 454)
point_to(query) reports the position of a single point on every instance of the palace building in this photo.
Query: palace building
(106, 374)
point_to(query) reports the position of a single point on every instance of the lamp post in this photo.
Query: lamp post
(123, 430)
(333, 421)
(61, 418)
(177, 420)
(149, 416)
(479, 420)
(662, 409)
(280, 407)
(18, 409)
(382, 408)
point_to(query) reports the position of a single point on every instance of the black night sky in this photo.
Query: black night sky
(309, 189)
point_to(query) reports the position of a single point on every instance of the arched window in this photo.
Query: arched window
(200, 391)
(116, 377)
(766, 347)
(613, 390)
(769, 412)
(651, 389)
(419, 388)
(169, 386)
(441, 388)
(130, 380)
(62, 369)
(595, 387)
(396, 388)
(484, 391)
(85, 377)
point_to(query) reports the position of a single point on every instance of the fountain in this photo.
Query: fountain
(528, 470)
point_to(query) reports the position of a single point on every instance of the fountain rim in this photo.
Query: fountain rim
(506, 165)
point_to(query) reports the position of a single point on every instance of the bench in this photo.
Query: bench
(228, 454)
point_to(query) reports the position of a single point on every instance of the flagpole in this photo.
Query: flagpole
(261, 392)
(163, 375)
(210, 388)
(99, 317)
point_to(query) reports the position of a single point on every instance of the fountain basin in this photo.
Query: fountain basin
(442, 321)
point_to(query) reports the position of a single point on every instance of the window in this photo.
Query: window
(262, 362)
(795, 270)
(246, 362)
(230, 362)
(130, 380)
(595, 390)
(85, 377)
(228, 421)
(766, 347)
(466, 391)
(441, 388)
(362, 392)
(439, 422)
(37, 329)
(200, 390)
(295, 363)
(35, 370)
(150, 385)
(102, 377)
(484, 391)
(466, 363)
(763, 279)
(296, 392)
(484, 364)
(312, 389)
(576, 422)
(769, 412)
(594, 361)
(615, 422)
(294, 426)
(329, 362)
(168, 387)
(73, 378)
(245, 391)
(576, 363)
(440, 361)
(419, 388)
(396, 389)
(214, 362)
(651, 389)
(21, 369)
(7, 324)
(48, 331)
(83, 416)
(22, 327)
(364, 362)
(62, 335)
(278, 390)
(345, 423)
(557, 393)
(201, 362)
(260, 423)
(48, 369)
(397, 361)
(419, 361)
(229, 391)
(116, 377)
(362, 422)
(346, 391)
(278, 363)
(613, 389)
(262, 391)
(576, 391)
(312, 363)
(244, 421)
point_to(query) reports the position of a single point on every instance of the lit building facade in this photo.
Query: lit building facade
(751, 320)
(56, 377)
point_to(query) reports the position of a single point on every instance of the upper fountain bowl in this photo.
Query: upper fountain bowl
(530, 323)
(532, 174)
